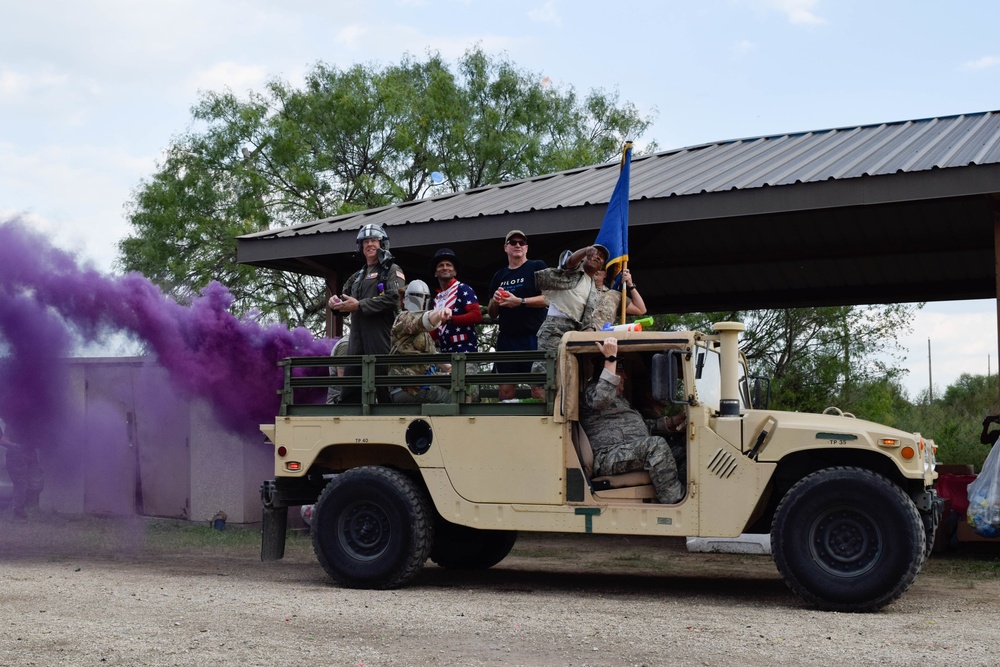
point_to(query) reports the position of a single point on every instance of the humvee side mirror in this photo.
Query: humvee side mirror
(760, 396)
(665, 373)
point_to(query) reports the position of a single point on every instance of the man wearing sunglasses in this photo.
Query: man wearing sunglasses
(517, 306)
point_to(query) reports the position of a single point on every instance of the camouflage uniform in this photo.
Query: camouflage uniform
(568, 288)
(607, 308)
(410, 337)
(657, 419)
(621, 440)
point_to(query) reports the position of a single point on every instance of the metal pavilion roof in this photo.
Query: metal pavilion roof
(899, 211)
(738, 164)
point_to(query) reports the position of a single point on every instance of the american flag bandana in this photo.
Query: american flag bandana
(446, 298)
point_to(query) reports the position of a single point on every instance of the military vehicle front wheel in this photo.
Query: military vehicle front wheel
(847, 539)
(463, 548)
(372, 528)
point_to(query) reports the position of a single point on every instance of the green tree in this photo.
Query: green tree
(819, 357)
(883, 401)
(955, 421)
(349, 140)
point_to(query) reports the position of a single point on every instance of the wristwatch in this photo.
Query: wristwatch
(612, 358)
(523, 303)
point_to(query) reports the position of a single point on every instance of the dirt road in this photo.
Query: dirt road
(68, 598)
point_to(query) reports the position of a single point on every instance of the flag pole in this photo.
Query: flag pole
(624, 292)
(628, 145)
(613, 234)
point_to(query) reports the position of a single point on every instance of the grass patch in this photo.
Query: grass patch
(162, 535)
(970, 563)
(58, 535)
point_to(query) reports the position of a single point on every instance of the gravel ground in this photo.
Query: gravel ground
(70, 598)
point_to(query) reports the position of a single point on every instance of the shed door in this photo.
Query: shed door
(136, 441)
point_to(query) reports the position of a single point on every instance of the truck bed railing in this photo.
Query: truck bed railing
(306, 377)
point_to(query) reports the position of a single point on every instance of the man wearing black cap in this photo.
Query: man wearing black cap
(458, 334)
(518, 307)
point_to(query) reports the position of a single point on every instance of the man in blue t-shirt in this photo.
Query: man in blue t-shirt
(518, 306)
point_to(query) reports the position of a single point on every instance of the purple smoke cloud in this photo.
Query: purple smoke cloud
(48, 301)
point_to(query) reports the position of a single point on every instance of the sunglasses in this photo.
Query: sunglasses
(524, 243)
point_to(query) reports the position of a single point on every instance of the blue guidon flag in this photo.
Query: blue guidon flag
(614, 229)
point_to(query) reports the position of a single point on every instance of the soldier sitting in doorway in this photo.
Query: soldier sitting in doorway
(618, 434)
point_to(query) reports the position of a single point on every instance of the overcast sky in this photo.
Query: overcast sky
(91, 93)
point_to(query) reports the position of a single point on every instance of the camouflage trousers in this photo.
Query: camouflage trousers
(549, 336)
(651, 454)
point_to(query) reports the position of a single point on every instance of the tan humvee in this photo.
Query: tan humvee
(849, 504)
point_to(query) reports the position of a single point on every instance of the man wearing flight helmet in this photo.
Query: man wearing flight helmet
(370, 297)
(410, 335)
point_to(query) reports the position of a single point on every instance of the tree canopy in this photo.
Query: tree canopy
(817, 357)
(350, 140)
(370, 136)
(954, 421)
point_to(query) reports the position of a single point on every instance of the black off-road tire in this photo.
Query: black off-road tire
(463, 548)
(847, 539)
(372, 527)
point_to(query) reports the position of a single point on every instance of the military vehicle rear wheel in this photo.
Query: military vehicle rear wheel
(372, 528)
(463, 548)
(847, 539)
